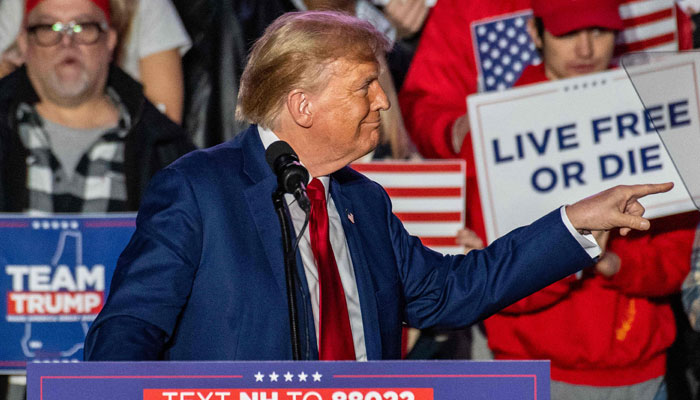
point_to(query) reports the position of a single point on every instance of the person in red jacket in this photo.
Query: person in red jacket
(616, 343)
(606, 331)
(443, 72)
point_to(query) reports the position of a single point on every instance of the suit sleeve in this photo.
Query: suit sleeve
(453, 291)
(653, 264)
(154, 275)
(544, 298)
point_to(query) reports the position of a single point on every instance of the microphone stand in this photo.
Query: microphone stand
(290, 267)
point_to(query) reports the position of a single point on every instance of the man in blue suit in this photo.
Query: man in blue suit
(203, 276)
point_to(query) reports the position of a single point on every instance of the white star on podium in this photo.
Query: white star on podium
(259, 377)
(302, 377)
(288, 377)
(273, 376)
(317, 377)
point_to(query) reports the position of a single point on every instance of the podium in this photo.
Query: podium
(286, 380)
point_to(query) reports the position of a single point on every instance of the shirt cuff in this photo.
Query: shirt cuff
(586, 241)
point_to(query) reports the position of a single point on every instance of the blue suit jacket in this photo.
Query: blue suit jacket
(203, 275)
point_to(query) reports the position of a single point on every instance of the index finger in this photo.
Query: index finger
(638, 191)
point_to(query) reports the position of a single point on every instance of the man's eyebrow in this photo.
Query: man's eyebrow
(42, 19)
(88, 18)
(361, 84)
(369, 79)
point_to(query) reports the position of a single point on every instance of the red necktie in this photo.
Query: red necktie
(334, 323)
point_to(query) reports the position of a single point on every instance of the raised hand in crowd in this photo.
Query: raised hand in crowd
(407, 16)
(609, 263)
(460, 128)
(469, 239)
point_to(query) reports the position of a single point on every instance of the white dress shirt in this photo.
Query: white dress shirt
(342, 258)
(344, 261)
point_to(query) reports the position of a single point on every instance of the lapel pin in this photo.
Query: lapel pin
(351, 217)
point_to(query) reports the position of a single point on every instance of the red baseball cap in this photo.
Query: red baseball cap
(103, 4)
(563, 16)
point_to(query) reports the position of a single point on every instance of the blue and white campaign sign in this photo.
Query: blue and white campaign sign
(542, 146)
(290, 380)
(55, 272)
(658, 76)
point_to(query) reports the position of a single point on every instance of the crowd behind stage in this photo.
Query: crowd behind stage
(625, 329)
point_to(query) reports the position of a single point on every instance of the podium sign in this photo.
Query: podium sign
(55, 272)
(309, 380)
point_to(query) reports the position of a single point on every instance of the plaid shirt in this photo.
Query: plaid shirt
(98, 183)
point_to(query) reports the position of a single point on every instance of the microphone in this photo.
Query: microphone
(291, 175)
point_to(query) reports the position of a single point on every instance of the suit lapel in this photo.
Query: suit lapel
(258, 197)
(368, 302)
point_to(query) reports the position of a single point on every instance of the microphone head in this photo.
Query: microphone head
(277, 149)
(284, 162)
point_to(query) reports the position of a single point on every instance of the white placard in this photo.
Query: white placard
(541, 146)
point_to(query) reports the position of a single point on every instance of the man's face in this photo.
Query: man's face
(577, 53)
(67, 73)
(346, 112)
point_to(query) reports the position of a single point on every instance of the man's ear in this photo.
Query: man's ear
(111, 40)
(22, 39)
(300, 107)
(532, 30)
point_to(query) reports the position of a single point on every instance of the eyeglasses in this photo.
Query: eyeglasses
(81, 32)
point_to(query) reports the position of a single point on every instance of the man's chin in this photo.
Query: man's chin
(374, 140)
(68, 90)
(70, 98)
(364, 150)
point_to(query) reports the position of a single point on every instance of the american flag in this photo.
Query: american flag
(503, 48)
(427, 196)
(649, 25)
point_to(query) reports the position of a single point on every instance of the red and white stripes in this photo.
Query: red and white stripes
(649, 25)
(427, 196)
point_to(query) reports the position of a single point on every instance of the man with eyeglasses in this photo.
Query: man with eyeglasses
(84, 32)
(76, 133)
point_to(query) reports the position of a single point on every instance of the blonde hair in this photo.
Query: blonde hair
(293, 53)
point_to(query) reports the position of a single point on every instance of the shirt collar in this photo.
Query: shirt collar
(267, 137)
